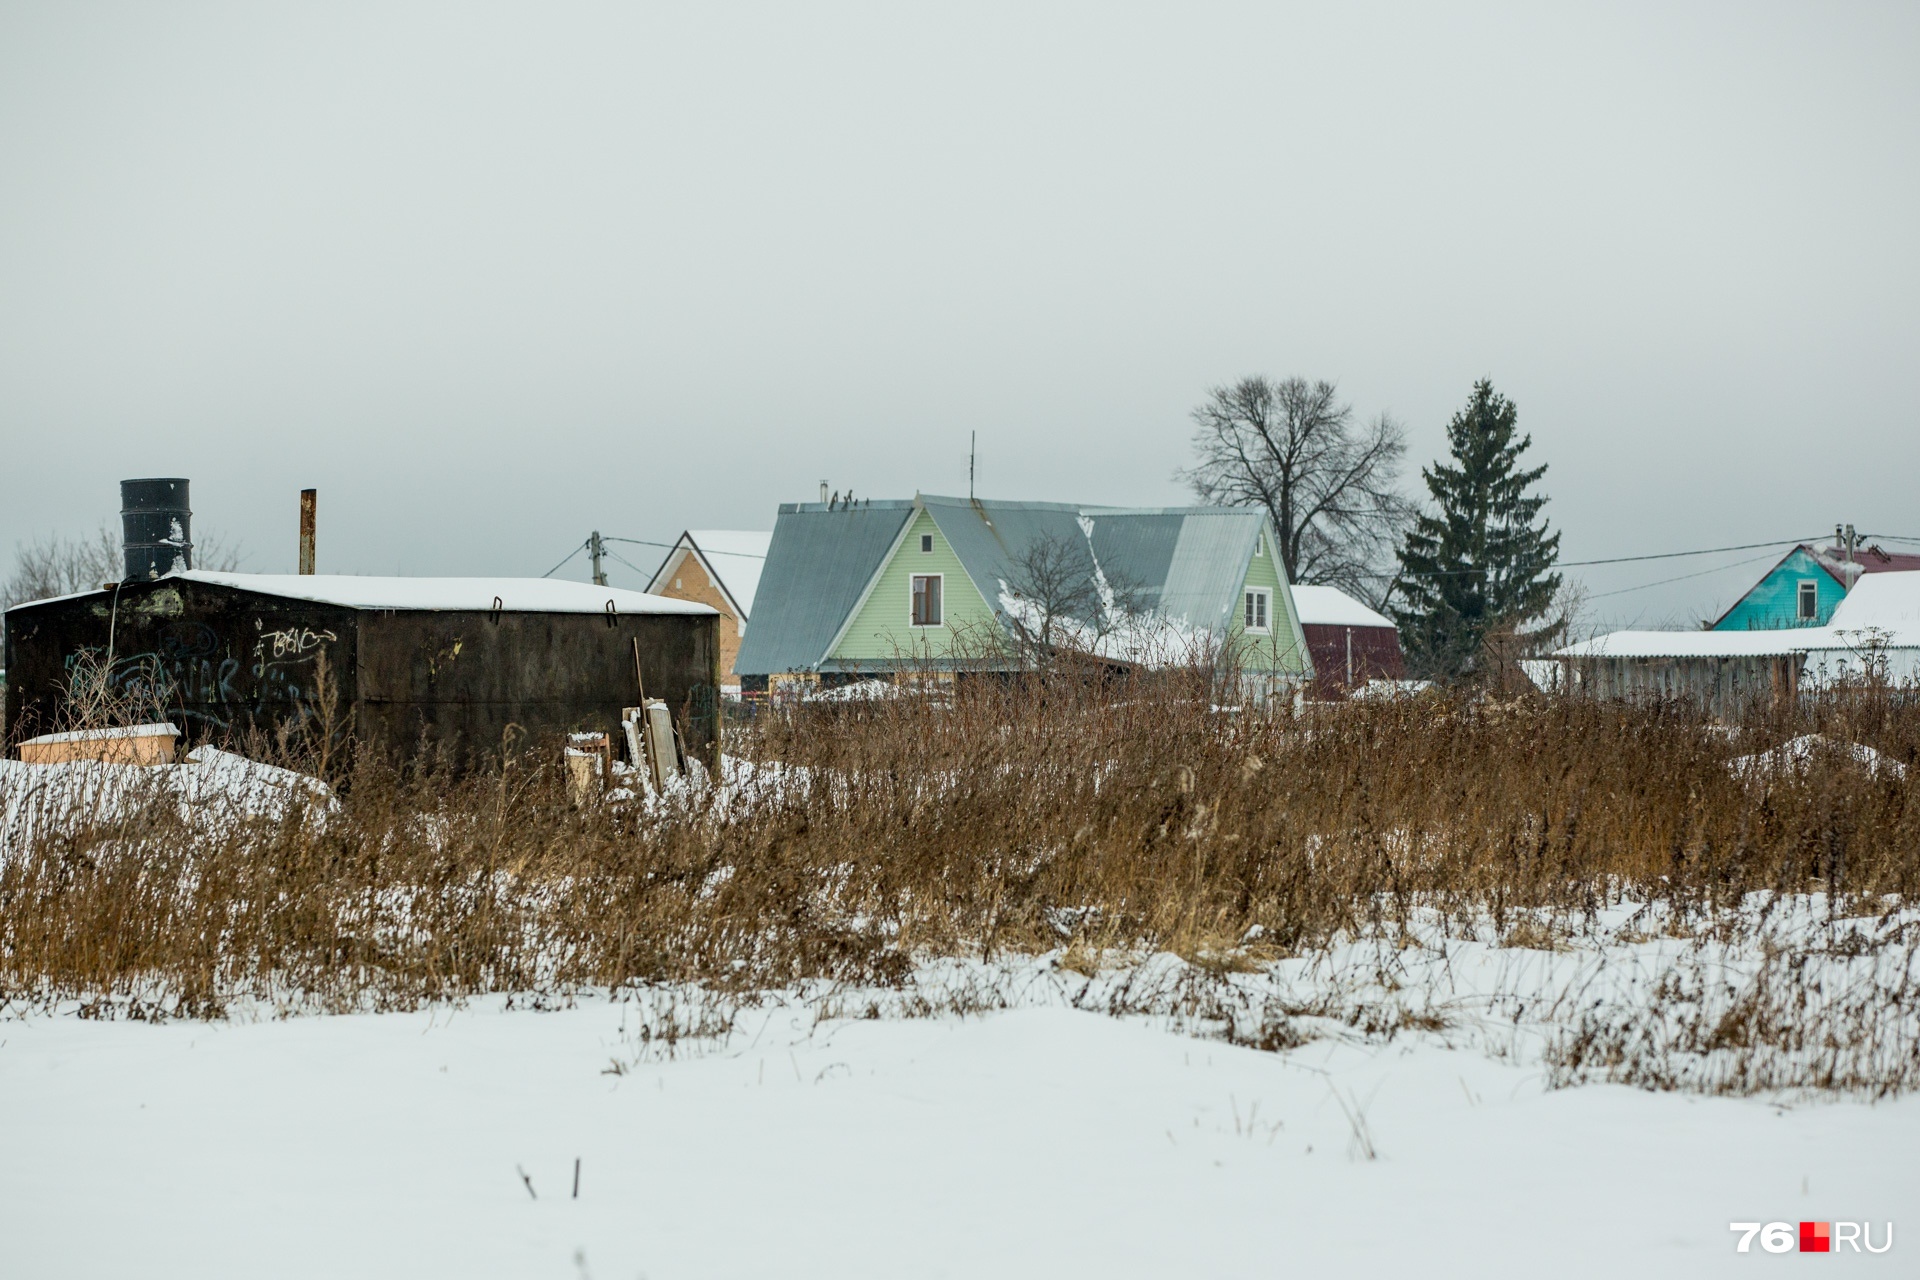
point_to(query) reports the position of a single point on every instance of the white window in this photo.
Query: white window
(1259, 603)
(926, 599)
(1260, 545)
(926, 542)
(1809, 600)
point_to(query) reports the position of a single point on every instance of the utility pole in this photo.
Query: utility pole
(973, 451)
(309, 503)
(596, 548)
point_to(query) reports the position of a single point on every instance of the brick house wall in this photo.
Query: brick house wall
(689, 580)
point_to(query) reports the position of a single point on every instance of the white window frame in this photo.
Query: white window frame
(1807, 587)
(926, 543)
(940, 613)
(1264, 611)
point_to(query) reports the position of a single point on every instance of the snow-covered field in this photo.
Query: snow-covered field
(802, 1138)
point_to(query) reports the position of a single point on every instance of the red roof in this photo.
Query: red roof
(1874, 560)
(1871, 559)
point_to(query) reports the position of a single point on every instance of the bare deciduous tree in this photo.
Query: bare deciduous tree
(1067, 603)
(59, 566)
(1329, 484)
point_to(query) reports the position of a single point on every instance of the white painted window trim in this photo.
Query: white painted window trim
(1800, 594)
(1265, 610)
(941, 578)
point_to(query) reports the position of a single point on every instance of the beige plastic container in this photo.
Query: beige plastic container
(136, 744)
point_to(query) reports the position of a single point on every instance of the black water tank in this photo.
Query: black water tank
(156, 526)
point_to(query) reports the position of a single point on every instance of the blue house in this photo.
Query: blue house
(1806, 586)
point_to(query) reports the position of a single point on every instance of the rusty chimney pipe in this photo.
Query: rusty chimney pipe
(309, 502)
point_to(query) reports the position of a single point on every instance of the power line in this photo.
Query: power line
(563, 564)
(1682, 578)
(1673, 555)
(640, 542)
(630, 564)
(644, 542)
(1661, 555)
(1562, 564)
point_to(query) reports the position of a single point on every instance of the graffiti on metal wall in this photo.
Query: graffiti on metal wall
(286, 668)
(190, 669)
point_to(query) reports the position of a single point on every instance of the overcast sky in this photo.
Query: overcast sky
(492, 277)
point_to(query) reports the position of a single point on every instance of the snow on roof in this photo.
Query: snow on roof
(71, 595)
(516, 595)
(736, 557)
(1889, 601)
(1733, 644)
(1691, 644)
(1332, 607)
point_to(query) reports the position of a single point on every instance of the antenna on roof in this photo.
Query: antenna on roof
(973, 449)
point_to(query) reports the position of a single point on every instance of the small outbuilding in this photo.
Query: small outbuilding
(1873, 636)
(1351, 644)
(468, 664)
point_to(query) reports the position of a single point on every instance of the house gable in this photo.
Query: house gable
(685, 576)
(1773, 603)
(881, 628)
(1284, 649)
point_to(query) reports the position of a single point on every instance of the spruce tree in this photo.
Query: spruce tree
(1481, 564)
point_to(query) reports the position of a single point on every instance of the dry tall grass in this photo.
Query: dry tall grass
(1008, 818)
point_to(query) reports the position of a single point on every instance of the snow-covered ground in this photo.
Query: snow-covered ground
(1429, 1101)
(211, 790)
(1037, 1140)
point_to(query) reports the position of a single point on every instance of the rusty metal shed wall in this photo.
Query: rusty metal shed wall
(466, 679)
(235, 659)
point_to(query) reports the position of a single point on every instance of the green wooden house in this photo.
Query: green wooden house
(852, 591)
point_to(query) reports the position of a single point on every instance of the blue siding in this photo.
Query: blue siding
(1773, 604)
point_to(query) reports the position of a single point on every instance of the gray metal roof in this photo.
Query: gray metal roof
(991, 538)
(819, 563)
(1137, 550)
(1202, 583)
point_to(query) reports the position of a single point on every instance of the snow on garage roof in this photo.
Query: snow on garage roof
(1332, 607)
(516, 595)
